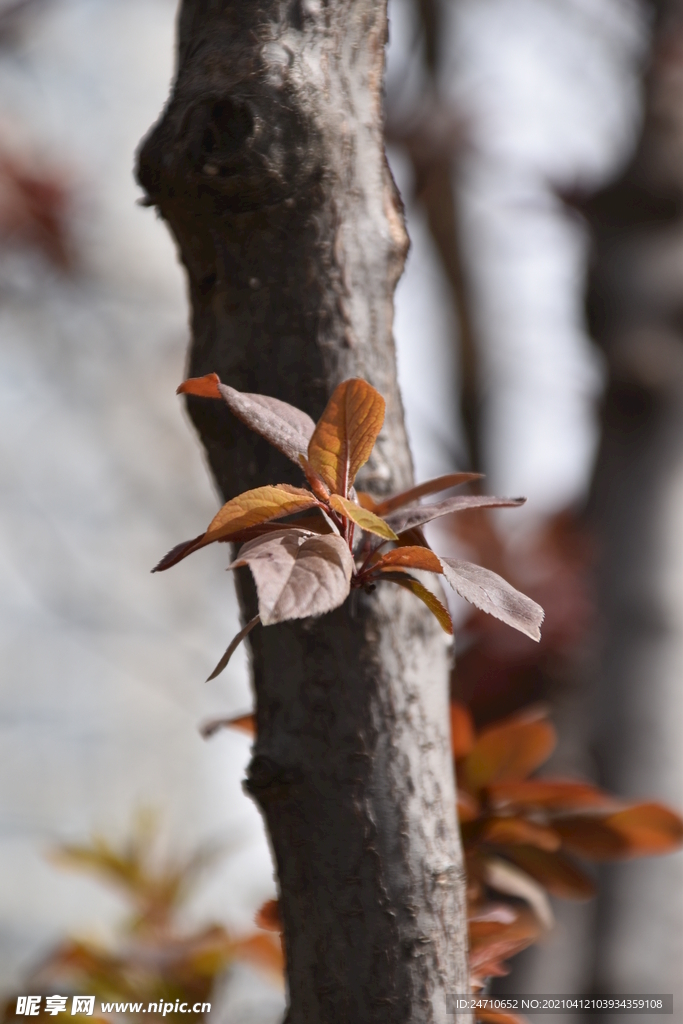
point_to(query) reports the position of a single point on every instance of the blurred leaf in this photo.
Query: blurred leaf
(346, 433)
(518, 830)
(268, 916)
(243, 723)
(507, 751)
(462, 730)
(556, 873)
(549, 794)
(508, 878)
(639, 831)
(297, 575)
(262, 950)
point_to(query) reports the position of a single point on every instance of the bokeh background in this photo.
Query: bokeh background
(538, 146)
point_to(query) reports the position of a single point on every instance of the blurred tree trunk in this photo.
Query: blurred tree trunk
(636, 313)
(268, 165)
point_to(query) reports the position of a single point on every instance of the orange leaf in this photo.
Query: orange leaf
(508, 750)
(462, 730)
(243, 723)
(264, 951)
(410, 557)
(362, 517)
(366, 501)
(518, 830)
(439, 483)
(639, 831)
(556, 873)
(346, 433)
(203, 387)
(467, 806)
(258, 506)
(268, 916)
(408, 582)
(549, 794)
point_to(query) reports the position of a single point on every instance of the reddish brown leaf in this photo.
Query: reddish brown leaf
(439, 483)
(556, 873)
(202, 387)
(509, 750)
(232, 647)
(297, 575)
(548, 794)
(491, 593)
(467, 807)
(366, 501)
(639, 831)
(409, 558)
(491, 942)
(462, 730)
(519, 830)
(262, 950)
(362, 517)
(408, 582)
(243, 723)
(418, 515)
(268, 916)
(346, 433)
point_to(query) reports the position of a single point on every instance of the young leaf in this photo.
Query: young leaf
(491, 593)
(408, 582)
(439, 483)
(258, 506)
(234, 644)
(556, 873)
(362, 517)
(548, 794)
(410, 558)
(287, 428)
(510, 750)
(346, 433)
(518, 830)
(297, 575)
(418, 515)
(492, 941)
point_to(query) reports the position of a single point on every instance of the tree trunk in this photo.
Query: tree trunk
(635, 308)
(269, 167)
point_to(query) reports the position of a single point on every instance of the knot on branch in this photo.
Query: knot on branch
(266, 779)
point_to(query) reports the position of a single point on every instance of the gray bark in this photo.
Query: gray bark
(268, 165)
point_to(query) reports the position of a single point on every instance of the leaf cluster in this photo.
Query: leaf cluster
(308, 547)
(154, 959)
(524, 837)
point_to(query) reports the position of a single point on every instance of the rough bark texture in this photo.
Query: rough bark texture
(268, 165)
(635, 308)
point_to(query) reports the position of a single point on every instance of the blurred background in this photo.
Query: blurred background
(538, 147)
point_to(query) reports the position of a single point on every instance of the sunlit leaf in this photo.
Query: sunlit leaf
(409, 558)
(346, 433)
(519, 830)
(297, 575)
(508, 750)
(258, 506)
(639, 831)
(556, 873)
(549, 794)
(242, 723)
(268, 916)
(362, 517)
(439, 483)
(287, 428)
(232, 647)
(408, 582)
(491, 593)
(462, 730)
(418, 515)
